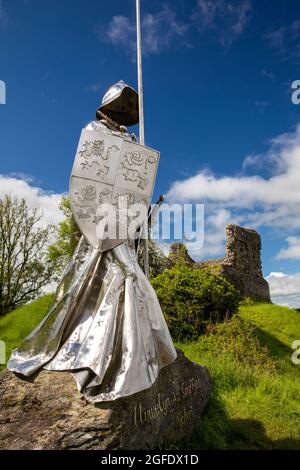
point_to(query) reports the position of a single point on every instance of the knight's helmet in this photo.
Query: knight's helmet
(120, 103)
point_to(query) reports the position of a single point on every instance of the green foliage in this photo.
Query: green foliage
(17, 324)
(191, 298)
(158, 262)
(255, 398)
(25, 268)
(240, 340)
(67, 235)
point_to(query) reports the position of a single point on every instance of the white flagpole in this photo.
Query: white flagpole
(140, 71)
(141, 113)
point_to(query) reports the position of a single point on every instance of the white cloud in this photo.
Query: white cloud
(159, 30)
(285, 289)
(292, 251)
(214, 235)
(255, 201)
(226, 18)
(249, 191)
(253, 161)
(120, 31)
(48, 202)
(276, 274)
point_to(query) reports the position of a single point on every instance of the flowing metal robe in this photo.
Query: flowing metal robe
(105, 326)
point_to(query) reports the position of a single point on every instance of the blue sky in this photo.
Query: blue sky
(217, 82)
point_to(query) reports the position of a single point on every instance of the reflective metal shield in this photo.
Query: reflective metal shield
(110, 173)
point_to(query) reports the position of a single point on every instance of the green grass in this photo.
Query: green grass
(255, 402)
(16, 325)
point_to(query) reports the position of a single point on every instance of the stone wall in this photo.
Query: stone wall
(178, 252)
(242, 263)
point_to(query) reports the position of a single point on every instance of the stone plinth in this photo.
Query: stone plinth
(49, 412)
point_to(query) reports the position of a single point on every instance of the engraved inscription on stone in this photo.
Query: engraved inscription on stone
(175, 404)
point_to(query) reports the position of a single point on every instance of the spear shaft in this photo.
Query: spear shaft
(140, 72)
(141, 115)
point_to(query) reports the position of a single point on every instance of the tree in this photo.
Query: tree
(67, 236)
(25, 267)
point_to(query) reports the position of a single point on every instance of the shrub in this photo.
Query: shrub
(192, 298)
(239, 340)
(158, 262)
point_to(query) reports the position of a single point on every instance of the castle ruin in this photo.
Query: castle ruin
(241, 265)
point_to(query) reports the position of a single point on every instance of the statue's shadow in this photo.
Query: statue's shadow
(219, 432)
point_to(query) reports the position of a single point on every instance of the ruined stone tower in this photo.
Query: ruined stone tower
(242, 263)
(178, 252)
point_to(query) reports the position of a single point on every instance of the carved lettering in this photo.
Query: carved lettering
(168, 405)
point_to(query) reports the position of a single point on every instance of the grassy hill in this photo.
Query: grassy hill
(16, 325)
(256, 395)
(255, 402)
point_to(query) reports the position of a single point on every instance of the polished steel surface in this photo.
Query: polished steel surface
(120, 103)
(109, 171)
(105, 325)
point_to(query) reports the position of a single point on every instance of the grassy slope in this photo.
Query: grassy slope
(253, 405)
(16, 325)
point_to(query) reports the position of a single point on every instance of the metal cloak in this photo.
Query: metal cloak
(105, 324)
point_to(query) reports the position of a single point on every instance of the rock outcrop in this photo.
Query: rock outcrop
(49, 412)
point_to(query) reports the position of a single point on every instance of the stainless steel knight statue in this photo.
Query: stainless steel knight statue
(105, 325)
(111, 177)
